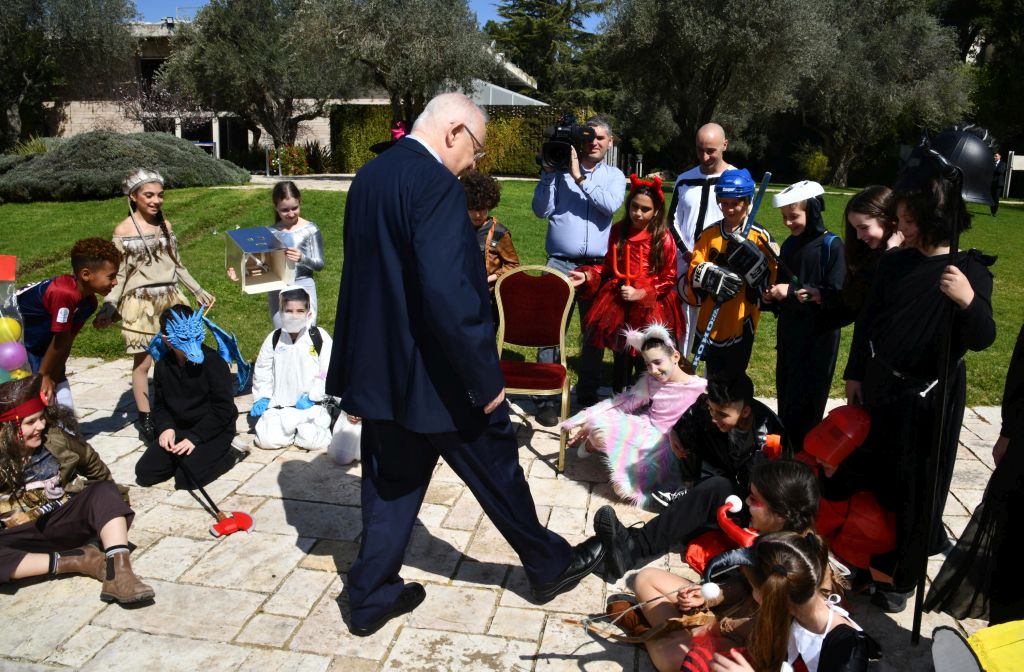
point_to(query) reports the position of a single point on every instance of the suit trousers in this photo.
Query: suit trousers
(397, 467)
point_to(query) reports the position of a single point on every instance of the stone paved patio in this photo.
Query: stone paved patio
(273, 599)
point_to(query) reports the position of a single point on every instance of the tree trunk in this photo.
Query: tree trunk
(842, 169)
(13, 114)
(257, 133)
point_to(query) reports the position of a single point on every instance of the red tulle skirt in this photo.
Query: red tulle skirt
(610, 314)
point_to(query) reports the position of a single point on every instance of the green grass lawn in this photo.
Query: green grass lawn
(41, 234)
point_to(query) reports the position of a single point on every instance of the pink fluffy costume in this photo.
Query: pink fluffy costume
(630, 430)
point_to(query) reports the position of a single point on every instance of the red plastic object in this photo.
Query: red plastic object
(857, 529)
(229, 523)
(835, 437)
(741, 536)
(772, 446)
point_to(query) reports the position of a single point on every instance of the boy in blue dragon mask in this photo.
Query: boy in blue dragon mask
(193, 407)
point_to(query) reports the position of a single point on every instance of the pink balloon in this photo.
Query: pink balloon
(12, 355)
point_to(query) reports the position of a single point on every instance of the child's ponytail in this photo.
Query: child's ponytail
(787, 571)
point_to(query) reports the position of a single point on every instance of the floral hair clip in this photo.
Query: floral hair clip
(653, 183)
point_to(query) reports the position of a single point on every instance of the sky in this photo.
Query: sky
(154, 10)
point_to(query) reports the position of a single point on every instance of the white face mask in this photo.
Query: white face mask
(293, 323)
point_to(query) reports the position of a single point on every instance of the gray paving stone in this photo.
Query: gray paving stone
(138, 651)
(302, 476)
(439, 651)
(516, 623)
(256, 562)
(569, 647)
(268, 630)
(180, 610)
(82, 646)
(330, 555)
(285, 661)
(47, 611)
(170, 557)
(433, 554)
(299, 592)
(112, 448)
(309, 519)
(455, 609)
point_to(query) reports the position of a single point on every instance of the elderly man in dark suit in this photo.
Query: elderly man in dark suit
(414, 356)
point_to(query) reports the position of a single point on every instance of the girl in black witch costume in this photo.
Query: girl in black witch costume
(897, 352)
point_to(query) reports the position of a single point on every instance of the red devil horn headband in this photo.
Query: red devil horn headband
(654, 183)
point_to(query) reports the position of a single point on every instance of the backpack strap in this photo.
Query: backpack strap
(314, 335)
(826, 253)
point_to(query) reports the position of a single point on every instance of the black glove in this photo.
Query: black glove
(746, 259)
(723, 284)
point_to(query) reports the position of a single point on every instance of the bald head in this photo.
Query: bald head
(711, 146)
(455, 127)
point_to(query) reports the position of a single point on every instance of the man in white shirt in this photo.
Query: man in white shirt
(694, 208)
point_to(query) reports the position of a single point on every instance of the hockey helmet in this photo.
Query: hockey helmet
(958, 153)
(735, 183)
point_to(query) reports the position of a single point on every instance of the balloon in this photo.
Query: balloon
(4, 376)
(12, 355)
(18, 374)
(10, 329)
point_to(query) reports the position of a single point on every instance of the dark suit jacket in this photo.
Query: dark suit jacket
(413, 337)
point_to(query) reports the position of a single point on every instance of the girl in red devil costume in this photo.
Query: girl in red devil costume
(635, 285)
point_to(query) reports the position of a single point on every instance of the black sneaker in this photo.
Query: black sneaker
(147, 430)
(620, 550)
(547, 415)
(890, 601)
(666, 497)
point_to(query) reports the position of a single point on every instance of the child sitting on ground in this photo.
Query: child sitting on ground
(631, 428)
(55, 496)
(193, 409)
(806, 349)
(54, 311)
(288, 382)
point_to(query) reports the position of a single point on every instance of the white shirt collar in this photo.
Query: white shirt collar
(426, 146)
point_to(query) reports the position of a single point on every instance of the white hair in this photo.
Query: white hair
(446, 110)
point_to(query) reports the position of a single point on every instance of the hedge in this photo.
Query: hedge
(514, 136)
(93, 165)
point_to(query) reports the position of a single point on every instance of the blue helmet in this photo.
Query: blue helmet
(735, 183)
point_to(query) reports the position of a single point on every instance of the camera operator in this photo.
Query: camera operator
(578, 204)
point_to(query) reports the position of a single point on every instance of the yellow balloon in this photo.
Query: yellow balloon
(18, 374)
(10, 329)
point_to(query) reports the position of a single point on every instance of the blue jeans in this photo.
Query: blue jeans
(590, 357)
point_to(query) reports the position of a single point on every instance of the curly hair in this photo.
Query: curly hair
(91, 253)
(12, 463)
(482, 191)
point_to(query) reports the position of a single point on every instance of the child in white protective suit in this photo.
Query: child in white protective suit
(288, 380)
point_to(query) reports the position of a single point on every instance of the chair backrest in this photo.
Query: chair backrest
(533, 308)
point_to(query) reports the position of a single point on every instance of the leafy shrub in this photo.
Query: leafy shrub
(812, 162)
(291, 159)
(34, 145)
(94, 164)
(514, 136)
(319, 158)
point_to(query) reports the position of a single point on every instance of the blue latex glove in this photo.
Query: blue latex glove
(259, 407)
(304, 402)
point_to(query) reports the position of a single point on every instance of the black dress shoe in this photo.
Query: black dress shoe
(585, 558)
(620, 550)
(547, 415)
(410, 598)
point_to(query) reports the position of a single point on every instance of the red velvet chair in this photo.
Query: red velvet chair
(534, 310)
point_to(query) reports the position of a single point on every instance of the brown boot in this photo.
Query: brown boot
(120, 583)
(632, 621)
(87, 560)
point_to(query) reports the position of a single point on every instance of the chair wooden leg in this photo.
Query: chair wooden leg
(563, 435)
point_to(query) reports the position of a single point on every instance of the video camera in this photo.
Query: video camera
(556, 152)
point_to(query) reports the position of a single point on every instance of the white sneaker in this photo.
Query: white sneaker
(666, 497)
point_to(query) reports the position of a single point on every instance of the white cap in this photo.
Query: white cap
(795, 193)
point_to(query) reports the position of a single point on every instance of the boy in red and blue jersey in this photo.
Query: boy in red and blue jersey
(55, 310)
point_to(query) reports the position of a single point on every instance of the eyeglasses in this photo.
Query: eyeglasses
(478, 147)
